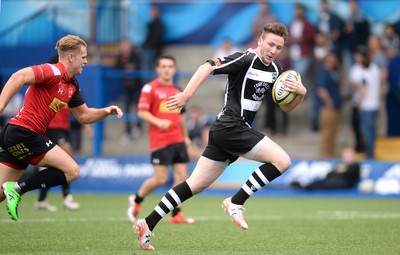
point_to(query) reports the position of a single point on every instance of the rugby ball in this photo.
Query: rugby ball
(279, 93)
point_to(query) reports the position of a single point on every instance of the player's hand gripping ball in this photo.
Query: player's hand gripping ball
(279, 93)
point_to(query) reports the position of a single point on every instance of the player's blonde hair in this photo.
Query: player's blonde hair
(68, 43)
(276, 28)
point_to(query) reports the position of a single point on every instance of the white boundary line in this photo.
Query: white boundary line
(320, 215)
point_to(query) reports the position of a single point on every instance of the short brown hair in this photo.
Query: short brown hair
(276, 28)
(69, 42)
(165, 57)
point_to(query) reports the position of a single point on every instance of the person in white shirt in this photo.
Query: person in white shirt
(365, 79)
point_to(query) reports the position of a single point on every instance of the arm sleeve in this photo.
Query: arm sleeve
(77, 98)
(145, 99)
(228, 64)
(46, 74)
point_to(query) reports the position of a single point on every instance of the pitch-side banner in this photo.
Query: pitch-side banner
(126, 174)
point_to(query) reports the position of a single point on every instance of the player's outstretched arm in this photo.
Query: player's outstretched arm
(180, 99)
(86, 115)
(17, 80)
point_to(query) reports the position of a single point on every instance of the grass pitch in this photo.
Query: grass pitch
(276, 226)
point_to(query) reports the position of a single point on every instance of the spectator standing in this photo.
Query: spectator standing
(153, 44)
(365, 78)
(301, 42)
(260, 21)
(390, 41)
(393, 97)
(379, 57)
(321, 50)
(356, 31)
(330, 25)
(329, 101)
(128, 60)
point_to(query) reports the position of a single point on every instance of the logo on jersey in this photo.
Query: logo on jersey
(274, 76)
(57, 104)
(71, 92)
(163, 108)
(49, 143)
(260, 90)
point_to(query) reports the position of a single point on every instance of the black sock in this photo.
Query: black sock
(138, 199)
(65, 189)
(258, 179)
(48, 177)
(43, 194)
(171, 200)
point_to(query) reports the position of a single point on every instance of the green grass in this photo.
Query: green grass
(276, 226)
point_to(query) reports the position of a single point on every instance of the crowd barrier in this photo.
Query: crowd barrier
(126, 174)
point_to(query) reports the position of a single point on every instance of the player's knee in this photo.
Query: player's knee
(162, 180)
(195, 186)
(74, 172)
(284, 163)
(181, 177)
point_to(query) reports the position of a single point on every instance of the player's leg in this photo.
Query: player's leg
(275, 162)
(159, 178)
(204, 174)
(61, 168)
(42, 203)
(68, 200)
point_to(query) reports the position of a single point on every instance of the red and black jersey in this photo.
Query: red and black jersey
(52, 91)
(153, 98)
(61, 120)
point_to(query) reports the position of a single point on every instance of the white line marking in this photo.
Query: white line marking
(320, 215)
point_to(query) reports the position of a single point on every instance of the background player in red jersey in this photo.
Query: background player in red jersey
(168, 135)
(22, 140)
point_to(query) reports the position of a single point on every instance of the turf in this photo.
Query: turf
(276, 226)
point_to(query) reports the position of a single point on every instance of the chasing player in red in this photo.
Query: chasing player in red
(22, 140)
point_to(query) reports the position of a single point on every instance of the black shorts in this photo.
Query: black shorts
(231, 142)
(173, 153)
(59, 136)
(21, 147)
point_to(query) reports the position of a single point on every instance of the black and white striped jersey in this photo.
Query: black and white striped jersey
(249, 82)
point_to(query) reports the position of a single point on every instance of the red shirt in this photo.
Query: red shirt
(153, 98)
(52, 90)
(61, 120)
